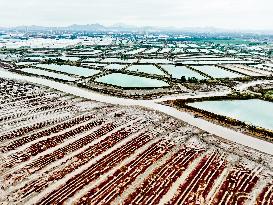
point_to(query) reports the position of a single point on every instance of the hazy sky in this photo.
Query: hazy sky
(234, 14)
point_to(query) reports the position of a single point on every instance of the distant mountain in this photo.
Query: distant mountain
(74, 27)
(120, 27)
(88, 27)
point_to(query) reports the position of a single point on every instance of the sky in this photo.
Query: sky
(229, 14)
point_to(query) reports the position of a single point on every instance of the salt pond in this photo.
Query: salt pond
(24, 63)
(119, 60)
(125, 80)
(154, 60)
(115, 66)
(254, 111)
(74, 70)
(179, 71)
(197, 62)
(48, 74)
(217, 72)
(150, 69)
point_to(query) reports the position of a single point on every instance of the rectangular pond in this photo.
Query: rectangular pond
(116, 66)
(48, 74)
(197, 62)
(74, 70)
(124, 80)
(217, 72)
(165, 50)
(254, 111)
(93, 60)
(154, 60)
(149, 69)
(136, 51)
(179, 71)
(151, 50)
(119, 60)
(24, 63)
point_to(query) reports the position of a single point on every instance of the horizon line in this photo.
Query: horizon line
(123, 25)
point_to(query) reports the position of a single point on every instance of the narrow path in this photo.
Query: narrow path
(217, 130)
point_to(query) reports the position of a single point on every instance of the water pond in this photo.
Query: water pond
(74, 70)
(124, 80)
(48, 74)
(254, 111)
(149, 69)
(217, 72)
(179, 71)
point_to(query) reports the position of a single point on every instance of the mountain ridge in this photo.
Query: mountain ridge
(121, 27)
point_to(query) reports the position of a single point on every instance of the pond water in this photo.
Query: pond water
(150, 69)
(151, 50)
(74, 70)
(91, 60)
(196, 62)
(154, 60)
(48, 74)
(119, 60)
(115, 66)
(179, 71)
(125, 80)
(36, 58)
(254, 111)
(165, 50)
(25, 63)
(217, 72)
(136, 51)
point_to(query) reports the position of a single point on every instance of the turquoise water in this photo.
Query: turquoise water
(85, 72)
(154, 60)
(217, 72)
(48, 74)
(37, 58)
(65, 58)
(118, 60)
(136, 51)
(150, 69)
(125, 80)
(24, 63)
(115, 66)
(91, 60)
(179, 71)
(254, 111)
(197, 63)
